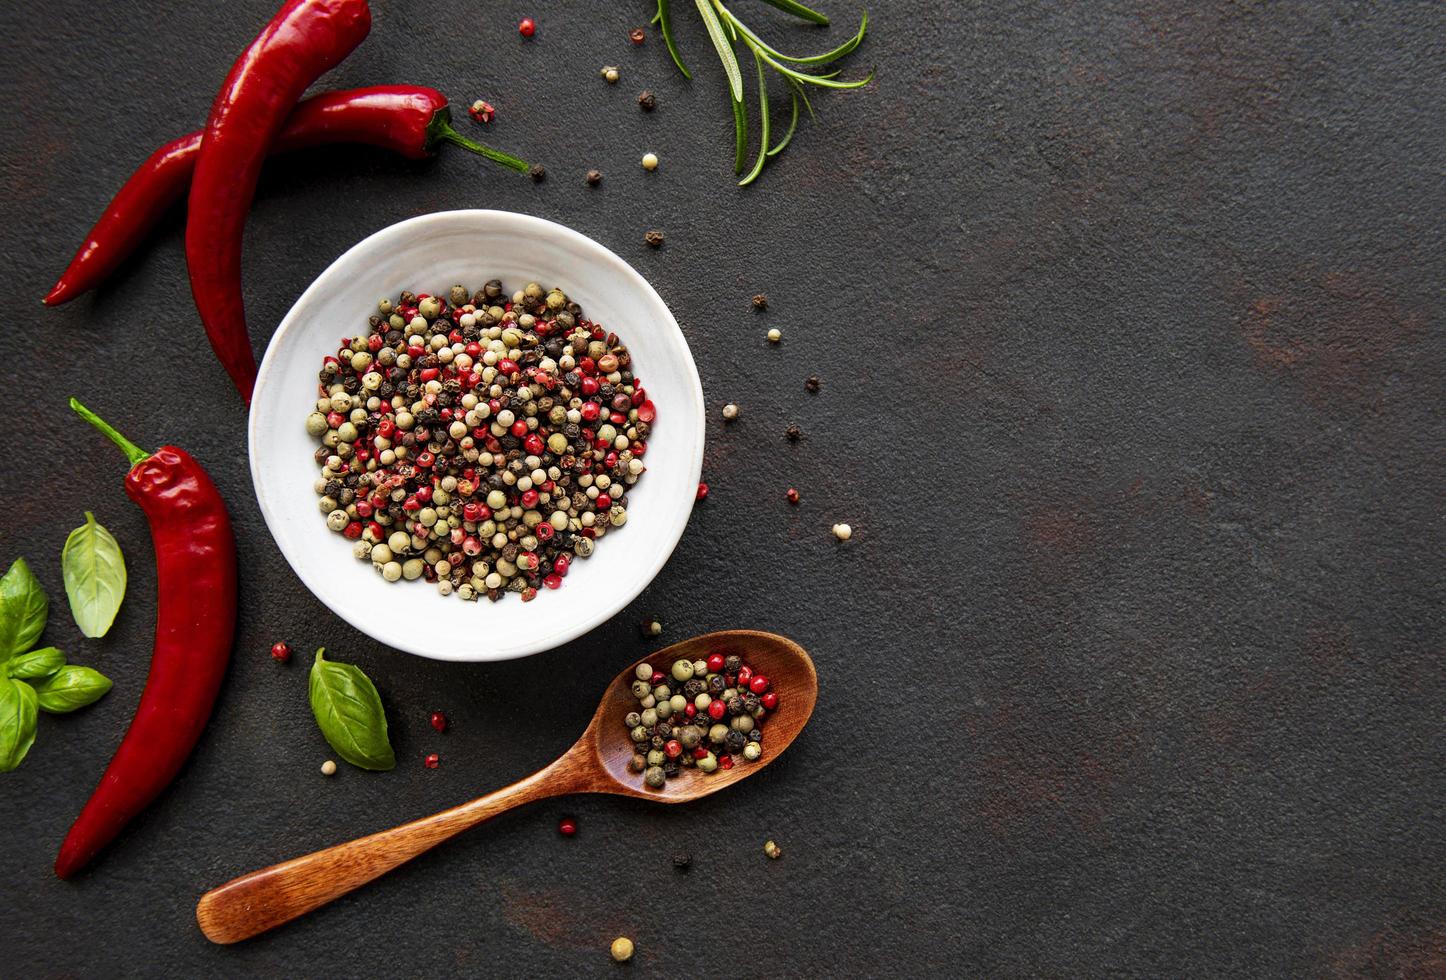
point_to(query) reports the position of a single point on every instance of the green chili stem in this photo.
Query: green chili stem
(441, 129)
(133, 452)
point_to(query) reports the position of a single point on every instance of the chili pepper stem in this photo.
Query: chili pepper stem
(133, 452)
(441, 129)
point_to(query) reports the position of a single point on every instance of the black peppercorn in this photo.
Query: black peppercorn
(732, 663)
(760, 302)
(654, 238)
(756, 735)
(682, 860)
(647, 101)
(538, 173)
(812, 385)
(735, 741)
(693, 688)
(593, 178)
(794, 433)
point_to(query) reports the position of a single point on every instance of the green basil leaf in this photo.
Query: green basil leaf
(95, 576)
(17, 722)
(71, 687)
(37, 664)
(349, 713)
(23, 608)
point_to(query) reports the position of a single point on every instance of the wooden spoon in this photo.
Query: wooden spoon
(597, 763)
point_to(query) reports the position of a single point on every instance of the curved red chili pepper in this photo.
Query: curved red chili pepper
(409, 120)
(305, 39)
(195, 620)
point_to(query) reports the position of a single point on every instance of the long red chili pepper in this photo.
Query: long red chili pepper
(195, 619)
(303, 40)
(409, 120)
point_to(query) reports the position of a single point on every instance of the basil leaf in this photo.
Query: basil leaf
(37, 664)
(70, 688)
(95, 576)
(23, 608)
(349, 713)
(17, 722)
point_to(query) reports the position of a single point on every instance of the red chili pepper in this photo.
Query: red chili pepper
(305, 39)
(410, 120)
(195, 620)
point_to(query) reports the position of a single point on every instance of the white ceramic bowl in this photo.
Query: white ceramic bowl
(429, 254)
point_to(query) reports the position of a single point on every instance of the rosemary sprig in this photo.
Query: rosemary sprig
(726, 30)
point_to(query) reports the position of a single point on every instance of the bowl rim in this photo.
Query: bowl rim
(630, 279)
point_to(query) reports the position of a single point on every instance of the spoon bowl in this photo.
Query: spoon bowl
(596, 763)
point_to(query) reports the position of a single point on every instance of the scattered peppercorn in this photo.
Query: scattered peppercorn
(439, 721)
(650, 628)
(280, 652)
(760, 302)
(843, 532)
(775, 335)
(610, 74)
(702, 491)
(432, 761)
(650, 161)
(593, 178)
(567, 826)
(730, 412)
(772, 850)
(654, 238)
(812, 385)
(647, 101)
(792, 495)
(479, 445)
(482, 111)
(637, 35)
(682, 860)
(527, 27)
(538, 173)
(793, 432)
(622, 949)
(328, 768)
(694, 701)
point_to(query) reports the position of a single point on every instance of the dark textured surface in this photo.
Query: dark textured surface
(1128, 319)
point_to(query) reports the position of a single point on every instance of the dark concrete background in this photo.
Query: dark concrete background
(1128, 320)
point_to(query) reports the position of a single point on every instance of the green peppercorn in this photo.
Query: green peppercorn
(639, 734)
(717, 734)
(689, 736)
(644, 672)
(633, 719)
(637, 763)
(679, 703)
(700, 668)
(752, 751)
(656, 757)
(641, 689)
(650, 717)
(654, 776)
(708, 763)
(683, 670)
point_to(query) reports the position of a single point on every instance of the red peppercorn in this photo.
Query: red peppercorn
(672, 748)
(432, 761)
(425, 460)
(701, 752)
(792, 495)
(589, 386)
(702, 489)
(567, 826)
(553, 581)
(715, 662)
(533, 443)
(519, 428)
(758, 684)
(439, 721)
(769, 700)
(604, 501)
(561, 564)
(335, 419)
(658, 677)
(690, 711)
(726, 762)
(429, 374)
(507, 366)
(637, 35)
(716, 709)
(590, 411)
(543, 531)
(529, 499)
(280, 652)
(352, 530)
(745, 674)
(646, 413)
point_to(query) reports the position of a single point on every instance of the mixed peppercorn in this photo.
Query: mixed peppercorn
(702, 714)
(479, 441)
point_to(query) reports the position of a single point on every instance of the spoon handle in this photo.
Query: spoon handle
(255, 902)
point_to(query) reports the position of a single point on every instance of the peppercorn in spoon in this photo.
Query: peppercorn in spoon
(597, 763)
